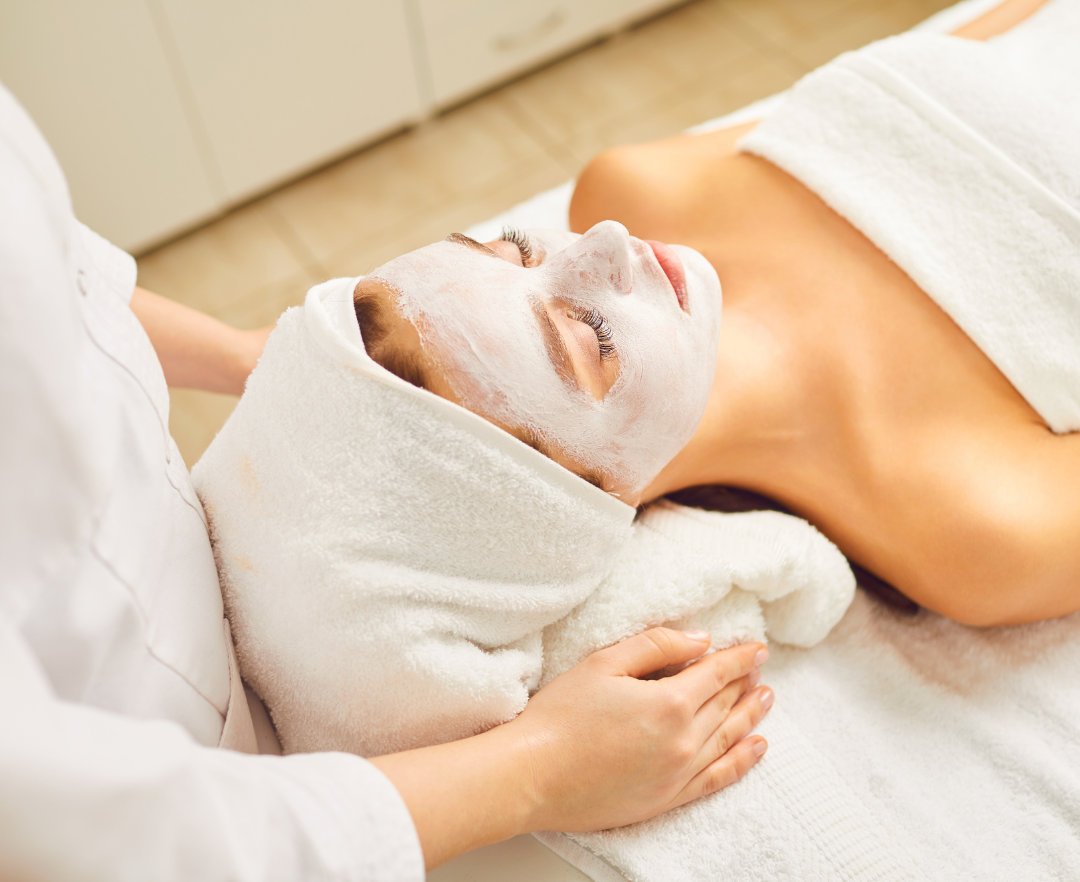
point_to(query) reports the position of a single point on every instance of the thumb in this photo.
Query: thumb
(654, 650)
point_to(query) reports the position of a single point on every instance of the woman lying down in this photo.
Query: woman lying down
(444, 484)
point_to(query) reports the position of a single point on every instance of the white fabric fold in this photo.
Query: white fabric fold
(741, 577)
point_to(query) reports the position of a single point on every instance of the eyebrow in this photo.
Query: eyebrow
(553, 338)
(469, 242)
(556, 348)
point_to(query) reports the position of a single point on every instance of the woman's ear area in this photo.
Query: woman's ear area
(391, 340)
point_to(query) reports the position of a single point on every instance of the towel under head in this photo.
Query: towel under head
(388, 559)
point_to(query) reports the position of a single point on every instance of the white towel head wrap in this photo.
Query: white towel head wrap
(388, 558)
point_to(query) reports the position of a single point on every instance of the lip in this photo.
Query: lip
(673, 268)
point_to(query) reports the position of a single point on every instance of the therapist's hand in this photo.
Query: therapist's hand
(608, 748)
(597, 747)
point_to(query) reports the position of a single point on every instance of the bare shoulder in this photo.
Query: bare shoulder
(636, 183)
(996, 541)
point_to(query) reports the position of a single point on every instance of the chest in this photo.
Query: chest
(902, 429)
(874, 351)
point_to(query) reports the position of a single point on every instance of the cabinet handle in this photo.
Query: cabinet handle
(521, 39)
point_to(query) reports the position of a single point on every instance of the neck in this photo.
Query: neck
(753, 425)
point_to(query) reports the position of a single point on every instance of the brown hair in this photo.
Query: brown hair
(376, 329)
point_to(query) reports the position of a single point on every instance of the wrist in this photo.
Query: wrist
(521, 776)
(470, 793)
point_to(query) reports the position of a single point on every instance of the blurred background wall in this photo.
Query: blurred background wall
(164, 113)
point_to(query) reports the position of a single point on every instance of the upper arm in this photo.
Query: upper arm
(1007, 549)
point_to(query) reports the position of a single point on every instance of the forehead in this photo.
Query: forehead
(459, 248)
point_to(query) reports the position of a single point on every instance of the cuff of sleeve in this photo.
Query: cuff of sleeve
(109, 267)
(365, 820)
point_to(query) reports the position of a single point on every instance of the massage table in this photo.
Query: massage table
(905, 746)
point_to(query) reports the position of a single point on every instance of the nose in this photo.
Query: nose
(604, 255)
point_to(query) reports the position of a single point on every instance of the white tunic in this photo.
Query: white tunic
(114, 671)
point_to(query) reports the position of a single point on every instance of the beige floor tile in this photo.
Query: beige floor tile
(217, 265)
(401, 180)
(263, 306)
(812, 33)
(788, 22)
(693, 41)
(861, 27)
(454, 216)
(195, 417)
(748, 79)
(587, 90)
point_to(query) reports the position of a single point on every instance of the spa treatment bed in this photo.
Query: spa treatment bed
(904, 746)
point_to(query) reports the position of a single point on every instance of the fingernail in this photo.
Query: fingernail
(699, 636)
(761, 657)
(755, 677)
(760, 748)
(767, 699)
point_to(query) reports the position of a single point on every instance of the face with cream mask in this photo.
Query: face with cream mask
(599, 349)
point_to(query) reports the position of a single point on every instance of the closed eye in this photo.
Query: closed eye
(523, 243)
(601, 328)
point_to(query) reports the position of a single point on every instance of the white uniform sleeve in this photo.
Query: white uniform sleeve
(85, 794)
(115, 269)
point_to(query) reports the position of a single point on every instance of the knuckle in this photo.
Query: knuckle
(719, 776)
(722, 741)
(718, 670)
(661, 639)
(683, 753)
(677, 705)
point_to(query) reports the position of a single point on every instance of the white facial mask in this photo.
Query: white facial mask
(480, 319)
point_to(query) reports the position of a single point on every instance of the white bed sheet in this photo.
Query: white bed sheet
(901, 748)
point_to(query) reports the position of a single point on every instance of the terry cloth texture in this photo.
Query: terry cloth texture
(738, 576)
(390, 561)
(386, 556)
(901, 749)
(961, 161)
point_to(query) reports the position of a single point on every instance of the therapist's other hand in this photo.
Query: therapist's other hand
(608, 748)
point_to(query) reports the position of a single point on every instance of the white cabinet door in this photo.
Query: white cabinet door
(282, 85)
(93, 76)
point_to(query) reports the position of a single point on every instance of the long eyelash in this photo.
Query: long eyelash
(602, 330)
(513, 234)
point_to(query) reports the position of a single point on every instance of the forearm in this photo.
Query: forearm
(195, 350)
(465, 794)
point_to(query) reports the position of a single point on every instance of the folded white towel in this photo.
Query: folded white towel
(390, 561)
(740, 577)
(961, 161)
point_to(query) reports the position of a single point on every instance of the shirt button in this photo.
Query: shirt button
(81, 281)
